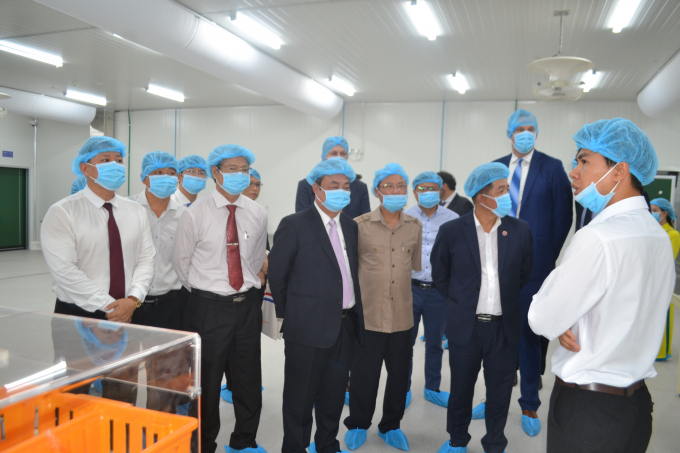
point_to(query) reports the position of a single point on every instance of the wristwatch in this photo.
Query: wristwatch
(138, 303)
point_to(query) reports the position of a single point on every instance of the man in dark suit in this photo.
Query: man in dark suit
(480, 262)
(449, 198)
(359, 204)
(541, 194)
(314, 280)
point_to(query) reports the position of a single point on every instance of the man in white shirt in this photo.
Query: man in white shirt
(480, 262)
(219, 251)
(97, 244)
(607, 300)
(192, 177)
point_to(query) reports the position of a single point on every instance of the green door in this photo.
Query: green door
(12, 208)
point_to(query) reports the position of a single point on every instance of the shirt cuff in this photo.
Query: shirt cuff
(134, 291)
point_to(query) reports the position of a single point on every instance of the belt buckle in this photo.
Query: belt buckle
(426, 286)
(239, 299)
(484, 317)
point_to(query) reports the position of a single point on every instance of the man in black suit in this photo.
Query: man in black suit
(449, 198)
(480, 262)
(314, 280)
(359, 204)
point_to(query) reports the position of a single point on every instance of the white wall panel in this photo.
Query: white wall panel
(16, 135)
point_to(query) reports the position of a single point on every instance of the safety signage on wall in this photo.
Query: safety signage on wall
(8, 154)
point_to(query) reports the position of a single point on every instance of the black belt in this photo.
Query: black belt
(421, 284)
(483, 317)
(234, 298)
(623, 391)
(155, 300)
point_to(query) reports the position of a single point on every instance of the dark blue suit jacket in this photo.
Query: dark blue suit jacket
(547, 205)
(305, 279)
(359, 203)
(457, 275)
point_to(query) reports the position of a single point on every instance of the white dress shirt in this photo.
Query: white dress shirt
(180, 198)
(526, 163)
(612, 289)
(490, 290)
(448, 201)
(326, 219)
(75, 241)
(163, 231)
(200, 253)
(430, 229)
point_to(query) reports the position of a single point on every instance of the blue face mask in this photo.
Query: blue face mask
(524, 142)
(235, 183)
(336, 200)
(193, 184)
(393, 203)
(111, 175)
(428, 199)
(162, 185)
(593, 200)
(657, 216)
(504, 203)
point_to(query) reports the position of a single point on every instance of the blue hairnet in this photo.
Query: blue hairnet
(331, 167)
(222, 152)
(390, 169)
(255, 173)
(79, 184)
(332, 142)
(193, 161)
(484, 175)
(428, 176)
(94, 146)
(521, 118)
(156, 160)
(620, 140)
(665, 205)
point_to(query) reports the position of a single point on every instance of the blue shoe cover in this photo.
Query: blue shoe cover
(531, 426)
(259, 449)
(311, 448)
(440, 399)
(183, 409)
(479, 412)
(446, 345)
(346, 398)
(447, 448)
(423, 338)
(444, 338)
(395, 438)
(408, 399)
(226, 395)
(355, 438)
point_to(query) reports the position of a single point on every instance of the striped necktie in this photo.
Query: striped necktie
(514, 188)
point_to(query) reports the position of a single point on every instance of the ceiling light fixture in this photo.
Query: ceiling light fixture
(164, 92)
(623, 14)
(590, 80)
(89, 98)
(340, 85)
(459, 82)
(256, 30)
(27, 52)
(423, 18)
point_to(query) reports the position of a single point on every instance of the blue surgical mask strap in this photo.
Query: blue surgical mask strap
(494, 199)
(605, 175)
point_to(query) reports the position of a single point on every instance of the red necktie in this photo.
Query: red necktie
(116, 266)
(233, 251)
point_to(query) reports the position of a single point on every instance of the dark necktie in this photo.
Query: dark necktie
(116, 266)
(233, 251)
(442, 203)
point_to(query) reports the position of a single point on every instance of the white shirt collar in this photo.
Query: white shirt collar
(96, 200)
(526, 158)
(450, 199)
(625, 205)
(221, 202)
(493, 228)
(145, 201)
(423, 215)
(181, 198)
(325, 218)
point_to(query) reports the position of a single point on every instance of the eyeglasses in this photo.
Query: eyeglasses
(235, 169)
(391, 188)
(421, 189)
(256, 184)
(192, 172)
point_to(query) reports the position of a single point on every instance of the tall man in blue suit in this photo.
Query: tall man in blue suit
(313, 276)
(359, 204)
(541, 194)
(480, 262)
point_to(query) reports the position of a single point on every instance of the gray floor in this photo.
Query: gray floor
(25, 284)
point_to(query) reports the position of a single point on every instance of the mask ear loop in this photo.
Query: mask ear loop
(494, 198)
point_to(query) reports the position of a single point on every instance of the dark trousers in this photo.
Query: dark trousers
(229, 331)
(583, 421)
(530, 353)
(182, 301)
(316, 378)
(487, 345)
(164, 314)
(431, 306)
(65, 308)
(395, 349)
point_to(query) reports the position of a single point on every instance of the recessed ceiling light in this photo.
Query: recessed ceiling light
(33, 54)
(623, 14)
(423, 18)
(256, 30)
(89, 98)
(459, 82)
(590, 80)
(340, 85)
(166, 93)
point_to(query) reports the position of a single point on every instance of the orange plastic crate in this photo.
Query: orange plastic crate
(82, 423)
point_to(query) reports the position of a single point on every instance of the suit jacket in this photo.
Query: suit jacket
(547, 206)
(457, 274)
(460, 205)
(359, 202)
(305, 279)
